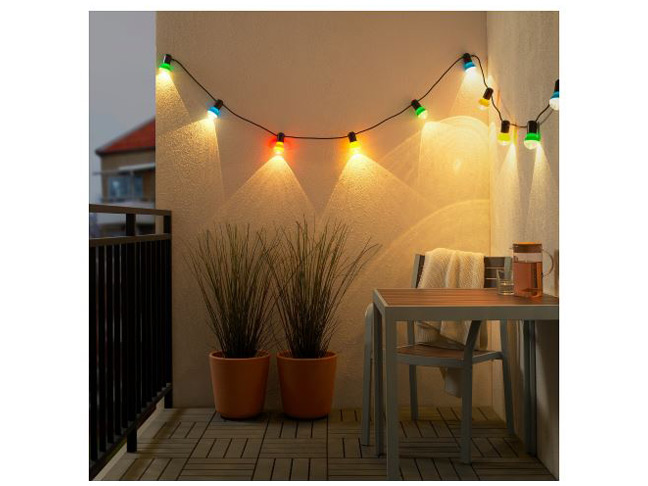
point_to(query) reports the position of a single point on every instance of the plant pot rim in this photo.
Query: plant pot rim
(285, 355)
(261, 354)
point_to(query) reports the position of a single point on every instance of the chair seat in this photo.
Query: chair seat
(434, 355)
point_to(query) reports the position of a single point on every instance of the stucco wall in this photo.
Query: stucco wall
(419, 187)
(523, 64)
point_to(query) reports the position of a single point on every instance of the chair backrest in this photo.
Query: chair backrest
(491, 265)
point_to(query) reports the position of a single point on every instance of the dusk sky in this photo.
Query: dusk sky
(122, 79)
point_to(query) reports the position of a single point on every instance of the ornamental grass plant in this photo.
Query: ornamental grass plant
(312, 270)
(232, 267)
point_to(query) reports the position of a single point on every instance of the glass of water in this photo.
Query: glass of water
(505, 281)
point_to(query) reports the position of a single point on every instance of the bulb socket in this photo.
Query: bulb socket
(167, 59)
(280, 137)
(415, 104)
(488, 94)
(506, 126)
(218, 104)
(467, 58)
(533, 127)
(556, 85)
(352, 137)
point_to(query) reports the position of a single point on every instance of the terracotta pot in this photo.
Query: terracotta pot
(306, 385)
(239, 384)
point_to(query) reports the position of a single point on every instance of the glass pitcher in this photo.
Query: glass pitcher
(527, 269)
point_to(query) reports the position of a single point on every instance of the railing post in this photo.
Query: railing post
(168, 352)
(131, 441)
(130, 225)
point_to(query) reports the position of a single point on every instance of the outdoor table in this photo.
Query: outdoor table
(397, 305)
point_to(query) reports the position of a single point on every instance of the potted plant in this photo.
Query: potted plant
(312, 272)
(231, 267)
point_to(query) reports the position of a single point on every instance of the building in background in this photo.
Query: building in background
(127, 179)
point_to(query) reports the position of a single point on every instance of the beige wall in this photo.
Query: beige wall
(523, 64)
(419, 187)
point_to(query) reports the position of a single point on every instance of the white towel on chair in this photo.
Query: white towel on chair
(454, 269)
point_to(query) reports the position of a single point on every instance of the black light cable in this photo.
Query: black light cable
(487, 100)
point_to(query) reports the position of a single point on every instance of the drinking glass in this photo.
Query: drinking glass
(505, 281)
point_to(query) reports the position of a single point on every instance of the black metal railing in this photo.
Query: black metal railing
(130, 332)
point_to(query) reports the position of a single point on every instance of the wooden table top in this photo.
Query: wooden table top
(471, 303)
(458, 298)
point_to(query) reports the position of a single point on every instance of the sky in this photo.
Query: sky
(122, 79)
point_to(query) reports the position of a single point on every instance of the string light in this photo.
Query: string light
(166, 63)
(485, 100)
(279, 144)
(354, 145)
(504, 136)
(554, 101)
(214, 111)
(421, 112)
(469, 65)
(532, 139)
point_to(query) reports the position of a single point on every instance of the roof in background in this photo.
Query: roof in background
(138, 139)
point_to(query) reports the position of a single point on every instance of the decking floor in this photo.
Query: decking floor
(198, 444)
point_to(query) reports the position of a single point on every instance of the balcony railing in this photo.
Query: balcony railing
(130, 332)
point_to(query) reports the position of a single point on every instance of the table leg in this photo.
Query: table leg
(530, 413)
(391, 411)
(378, 381)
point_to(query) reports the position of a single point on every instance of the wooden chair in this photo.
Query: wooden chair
(414, 355)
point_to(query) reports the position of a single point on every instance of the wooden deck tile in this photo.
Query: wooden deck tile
(173, 469)
(317, 469)
(427, 469)
(263, 471)
(199, 444)
(154, 470)
(299, 471)
(281, 471)
(136, 469)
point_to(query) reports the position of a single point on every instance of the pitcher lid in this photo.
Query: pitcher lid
(527, 247)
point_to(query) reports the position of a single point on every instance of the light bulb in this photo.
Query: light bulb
(532, 139)
(214, 111)
(421, 112)
(469, 66)
(485, 100)
(166, 63)
(554, 101)
(354, 145)
(279, 144)
(504, 136)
